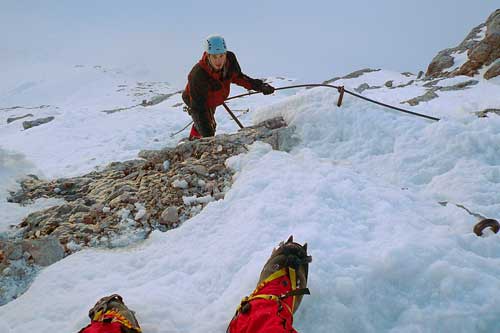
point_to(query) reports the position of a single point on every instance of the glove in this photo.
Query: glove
(267, 89)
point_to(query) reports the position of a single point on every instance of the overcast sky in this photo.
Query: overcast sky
(308, 40)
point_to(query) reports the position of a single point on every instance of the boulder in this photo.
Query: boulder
(365, 86)
(360, 72)
(170, 216)
(37, 122)
(493, 71)
(14, 251)
(423, 98)
(11, 119)
(440, 63)
(44, 251)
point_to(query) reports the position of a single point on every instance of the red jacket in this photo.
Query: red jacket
(206, 89)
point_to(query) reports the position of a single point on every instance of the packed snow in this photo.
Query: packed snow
(362, 186)
(13, 166)
(481, 34)
(459, 58)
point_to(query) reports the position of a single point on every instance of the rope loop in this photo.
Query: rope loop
(341, 90)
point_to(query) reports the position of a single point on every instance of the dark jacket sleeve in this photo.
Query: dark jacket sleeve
(198, 91)
(239, 78)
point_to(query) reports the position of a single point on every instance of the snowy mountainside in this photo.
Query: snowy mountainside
(94, 108)
(429, 157)
(361, 186)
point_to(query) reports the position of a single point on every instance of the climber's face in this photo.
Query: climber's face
(217, 60)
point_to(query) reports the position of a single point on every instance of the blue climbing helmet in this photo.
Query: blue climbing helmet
(215, 44)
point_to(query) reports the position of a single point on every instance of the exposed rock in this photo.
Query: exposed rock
(352, 75)
(388, 84)
(200, 170)
(166, 165)
(180, 183)
(124, 201)
(45, 251)
(423, 98)
(94, 212)
(440, 62)
(362, 87)
(27, 108)
(488, 49)
(365, 86)
(433, 85)
(215, 168)
(219, 196)
(493, 71)
(14, 251)
(404, 84)
(481, 52)
(459, 86)
(360, 72)
(331, 80)
(142, 212)
(37, 122)
(11, 119)
(170, 216)
(485, 112)
(159, 98)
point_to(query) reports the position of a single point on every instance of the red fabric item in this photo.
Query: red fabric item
(194, 135)
(215, 97)
(218, 96)
(265, 316)
(100, 327)
(207, 88)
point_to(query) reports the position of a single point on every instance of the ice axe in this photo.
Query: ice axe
(232, 115)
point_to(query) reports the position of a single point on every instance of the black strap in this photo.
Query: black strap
(296, 292)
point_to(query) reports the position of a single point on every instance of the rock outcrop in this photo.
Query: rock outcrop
(12, 119)
(433, 86)
(352, 75)
(482, 48)
(127, 200)
(37, 122)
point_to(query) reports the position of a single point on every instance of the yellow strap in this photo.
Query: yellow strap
(293, 281)
(97, 316)
(279, 273)
(263, 296)
(266, 297)
(116, 317)
(275, 275)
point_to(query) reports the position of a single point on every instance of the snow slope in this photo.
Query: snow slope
(361, 186)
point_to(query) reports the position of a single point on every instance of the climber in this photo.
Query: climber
(209, 85)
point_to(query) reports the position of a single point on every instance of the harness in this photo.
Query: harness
(245, 302)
